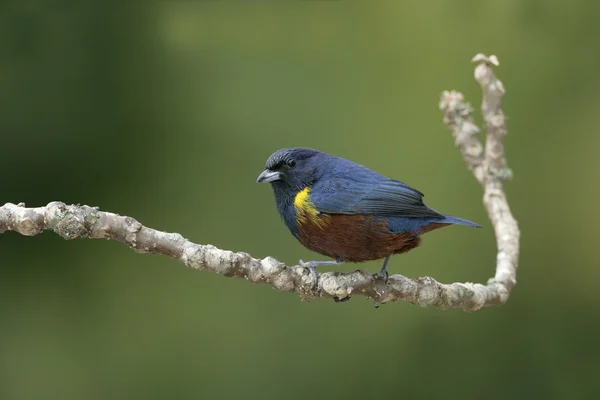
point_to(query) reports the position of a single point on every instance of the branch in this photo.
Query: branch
(489, 168)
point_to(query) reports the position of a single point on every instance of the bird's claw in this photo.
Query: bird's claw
(383, 275)
(313, 272)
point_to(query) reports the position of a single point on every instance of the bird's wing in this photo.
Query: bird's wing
(369, 195)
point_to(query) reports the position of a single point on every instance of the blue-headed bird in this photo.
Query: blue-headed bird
(346, 211)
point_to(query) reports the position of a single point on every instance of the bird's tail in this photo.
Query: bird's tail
(459, 221)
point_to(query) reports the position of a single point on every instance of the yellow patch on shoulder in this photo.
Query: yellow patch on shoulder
(306, 211)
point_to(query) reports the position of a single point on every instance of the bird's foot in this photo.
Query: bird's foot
(312, 267)
(383, 274)
(313, 271)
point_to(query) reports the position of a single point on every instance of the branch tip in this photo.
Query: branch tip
(482, 58)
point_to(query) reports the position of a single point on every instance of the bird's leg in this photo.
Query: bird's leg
(312, 267)
(383, 272)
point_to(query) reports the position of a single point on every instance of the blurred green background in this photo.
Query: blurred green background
(166, 111)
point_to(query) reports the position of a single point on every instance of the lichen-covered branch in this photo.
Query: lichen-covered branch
(490, 170)
(488, 166)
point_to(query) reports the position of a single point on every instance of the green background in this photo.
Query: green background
(166, 112)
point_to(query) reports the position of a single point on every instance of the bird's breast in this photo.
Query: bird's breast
(353, 238)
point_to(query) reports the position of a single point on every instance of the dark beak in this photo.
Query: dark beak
(268, 176)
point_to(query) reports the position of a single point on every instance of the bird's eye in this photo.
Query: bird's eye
(291, 163)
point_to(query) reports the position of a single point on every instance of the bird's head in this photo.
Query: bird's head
(293, 168)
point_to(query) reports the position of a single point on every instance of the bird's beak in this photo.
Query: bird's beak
(268, 176)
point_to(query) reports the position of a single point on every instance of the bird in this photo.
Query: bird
(346, 211)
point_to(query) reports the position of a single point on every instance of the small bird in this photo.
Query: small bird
(346, 211)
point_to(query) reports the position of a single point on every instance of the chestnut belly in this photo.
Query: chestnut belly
(356, 238)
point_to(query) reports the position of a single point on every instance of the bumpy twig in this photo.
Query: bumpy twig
(489, 167)
(490, 170)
